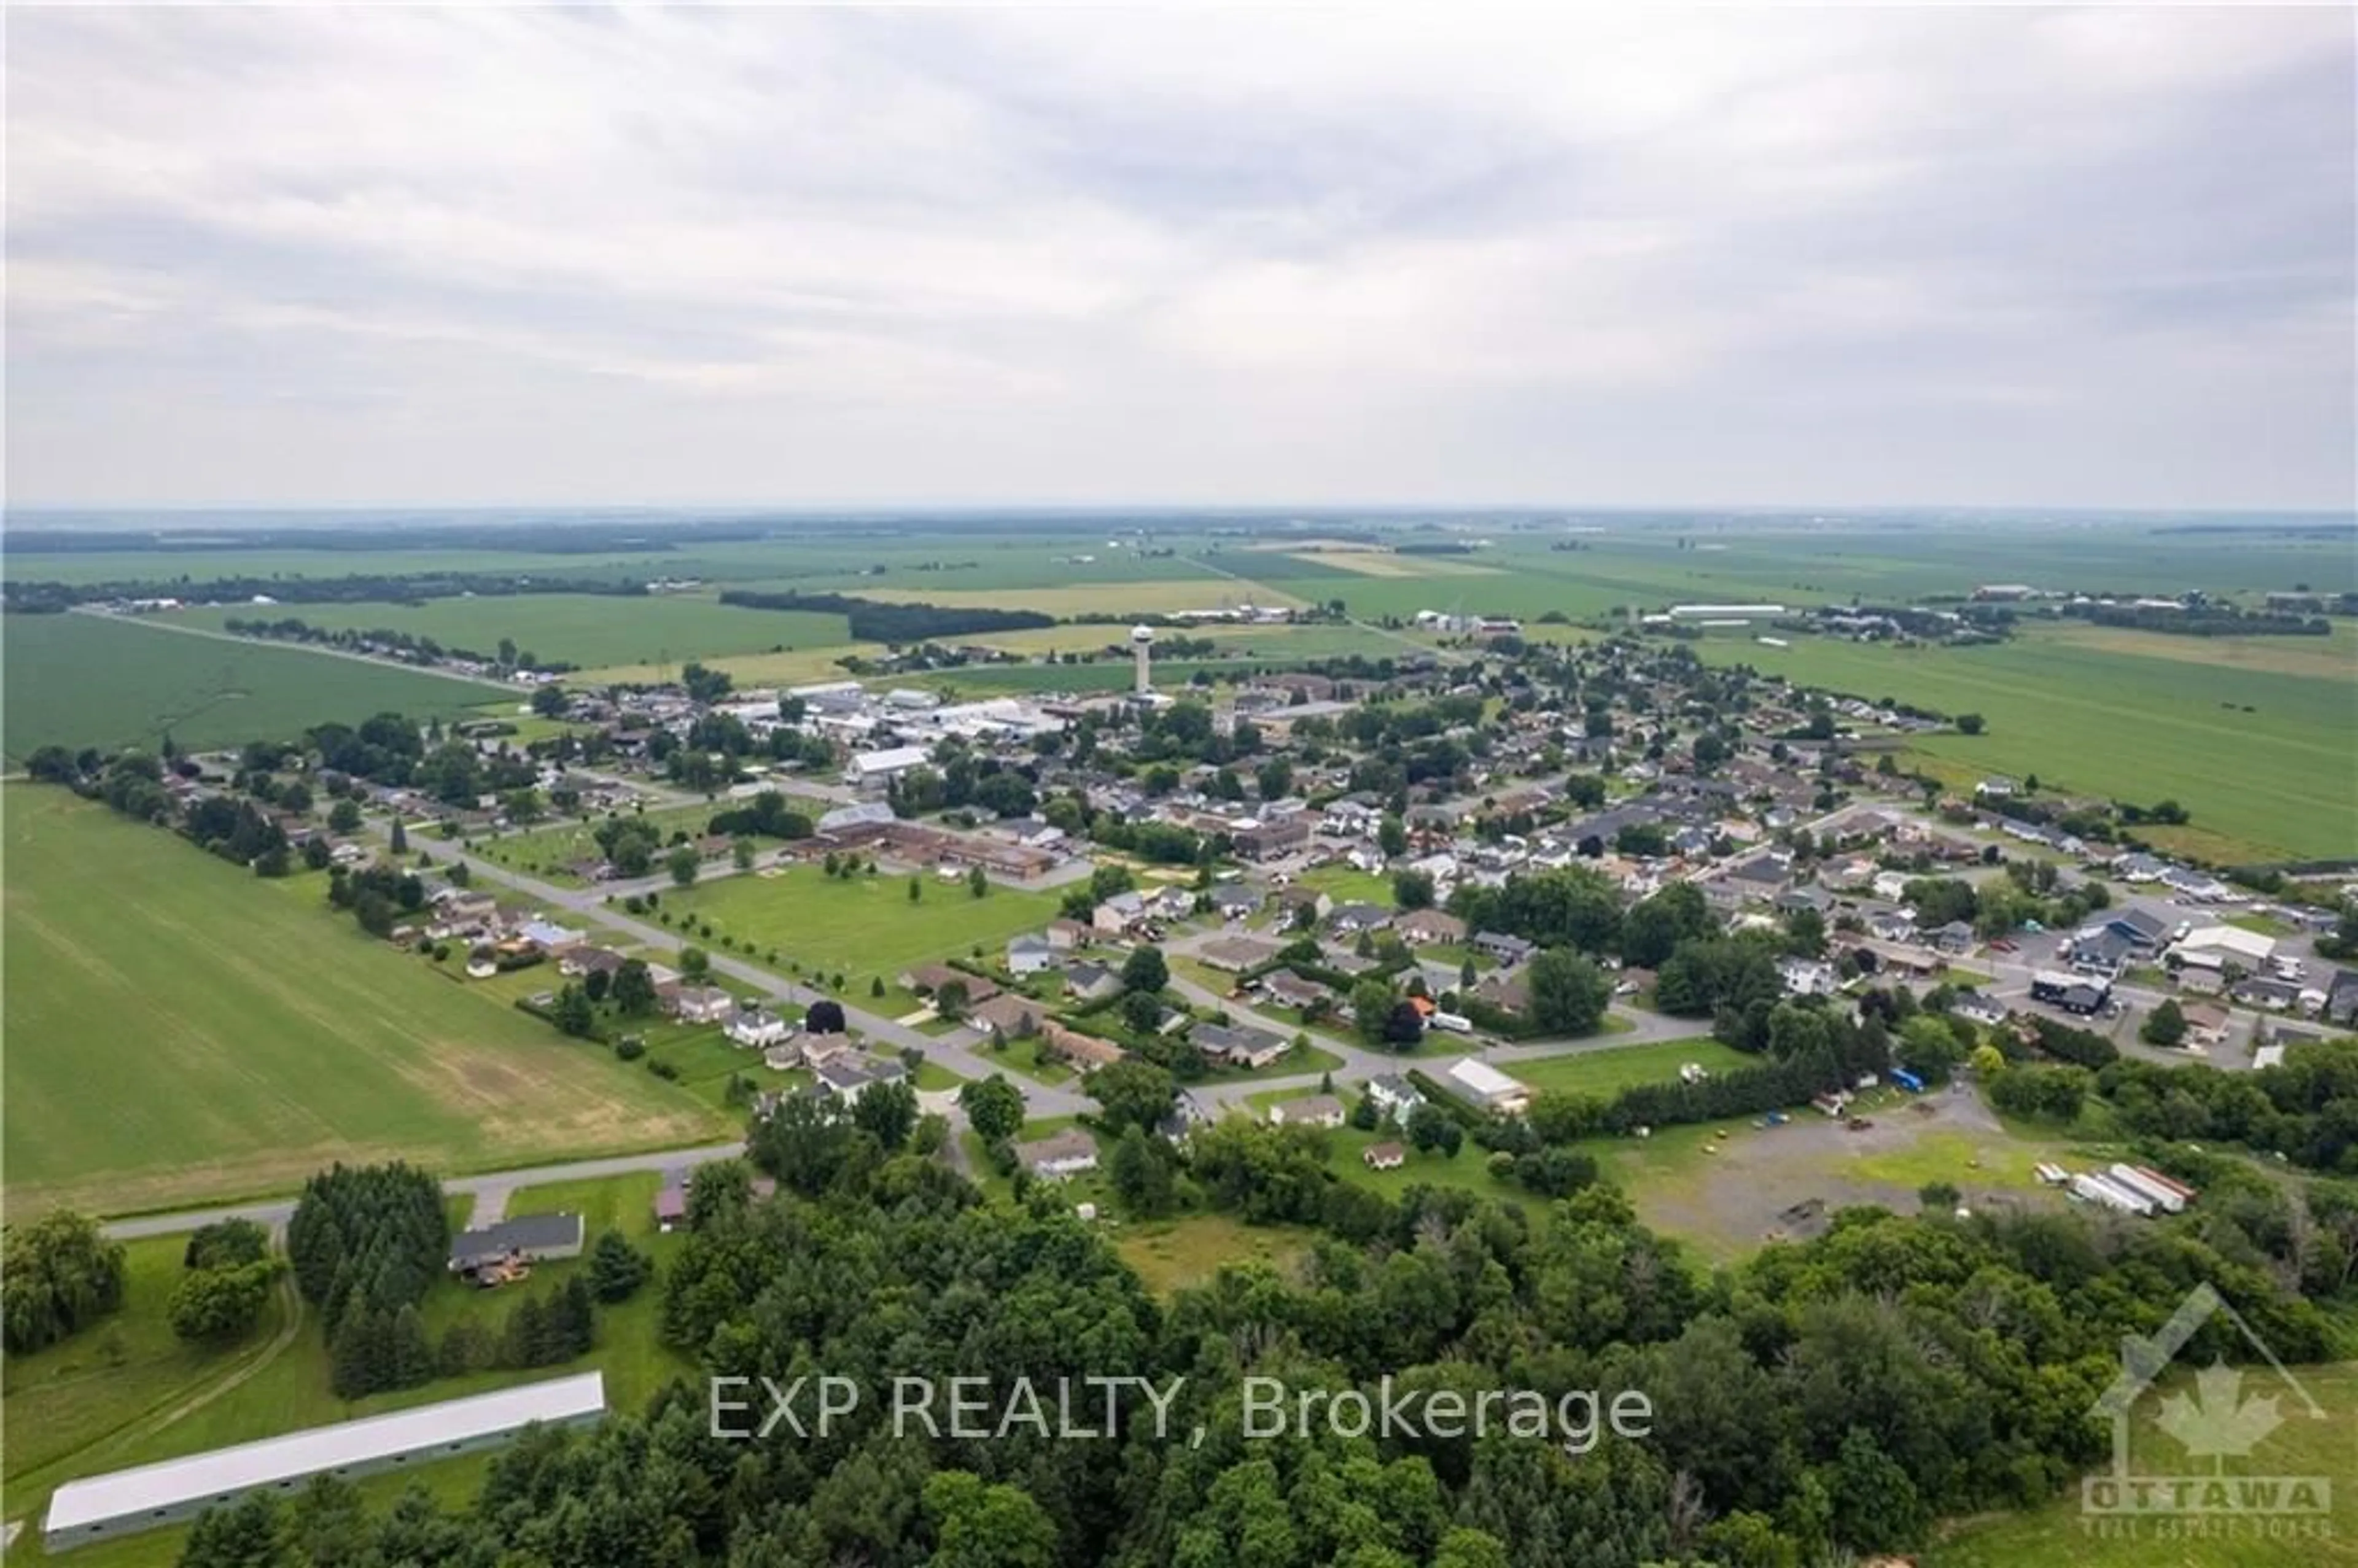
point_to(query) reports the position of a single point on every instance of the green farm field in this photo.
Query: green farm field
(863, 927)
(2277, 782)
(179, 1030)
(84, 680)
(584, 629)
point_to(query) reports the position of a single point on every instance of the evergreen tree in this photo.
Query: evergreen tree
(412, 1360)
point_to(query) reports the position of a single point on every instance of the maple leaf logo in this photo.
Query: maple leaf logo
(2215, 1419)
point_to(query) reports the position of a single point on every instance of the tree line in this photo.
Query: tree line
(872, 620)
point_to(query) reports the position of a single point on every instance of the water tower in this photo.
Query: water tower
(1142, 638)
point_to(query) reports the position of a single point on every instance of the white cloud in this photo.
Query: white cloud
(331, 254)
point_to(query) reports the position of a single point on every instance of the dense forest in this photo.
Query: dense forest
(1839, 1395)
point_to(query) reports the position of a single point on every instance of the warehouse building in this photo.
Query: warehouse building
(177, 1490)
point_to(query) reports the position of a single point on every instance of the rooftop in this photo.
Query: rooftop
(176, 1482)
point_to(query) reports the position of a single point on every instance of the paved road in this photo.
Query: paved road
(277, 1212)
(1041, 1098)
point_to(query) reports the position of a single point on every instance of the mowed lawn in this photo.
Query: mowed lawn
(583, 629)
(80, 680)
(863, 927)
(1608, 1071)
(2277, 781)
(179, 1031)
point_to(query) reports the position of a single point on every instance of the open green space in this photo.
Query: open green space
(862, 927)
(2271, 783)
(584, 629)
(1608, 1071)
(550, 850)
(89, 680)
(1173, 1255)
(179, 1030)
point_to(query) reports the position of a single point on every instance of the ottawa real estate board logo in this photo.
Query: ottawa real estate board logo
(2198, 1463)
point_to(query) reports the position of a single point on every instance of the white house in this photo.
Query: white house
(1028, 955)
(757, 1029)
(1394, 1096)
(1807, 977)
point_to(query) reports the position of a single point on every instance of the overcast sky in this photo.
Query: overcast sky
(1978, 257)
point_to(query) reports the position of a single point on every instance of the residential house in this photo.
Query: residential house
(702, 1004)
(2206, 1023)
(1352, 919)
(1289, 990)
(1029, 954)
(926, 980)
(1978, 1007)
(1239, 1046)
(1009, 1015)
(1394, 1096)
(1060, 1156)
(1954, 938)
(587, 960)
(1233, 900)
(756, 1029)
(1314, 1110)
(1064, 936)
(1087, 1052)
(527, 1238)
(1092, 982)
(1808, 977)
(1294, 900)
(2102, 951)
(1507, 949)
(1384, 1156)
(1424, 928)
(1117, 915)
(1507, 993)
(1234, 955)
(845, 1078)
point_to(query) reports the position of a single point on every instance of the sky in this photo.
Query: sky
(1978, 257)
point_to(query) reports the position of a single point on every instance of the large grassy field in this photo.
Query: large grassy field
(79, 680)
(179, 1031)
(584, 629)
(2277, 781)
(863, 927)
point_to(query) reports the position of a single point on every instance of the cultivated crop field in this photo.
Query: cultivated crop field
(2273, 781)
(82, 680)
(583, 629)
(863, 927)
(179, 1030)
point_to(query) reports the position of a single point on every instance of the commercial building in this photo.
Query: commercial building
(101, 1508)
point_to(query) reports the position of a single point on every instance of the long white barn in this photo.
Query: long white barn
(177, 1490)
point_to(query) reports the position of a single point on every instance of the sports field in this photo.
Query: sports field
(863, 927)
(82, 680)
(179, 1030)
(584, 629)
(2262, 758)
